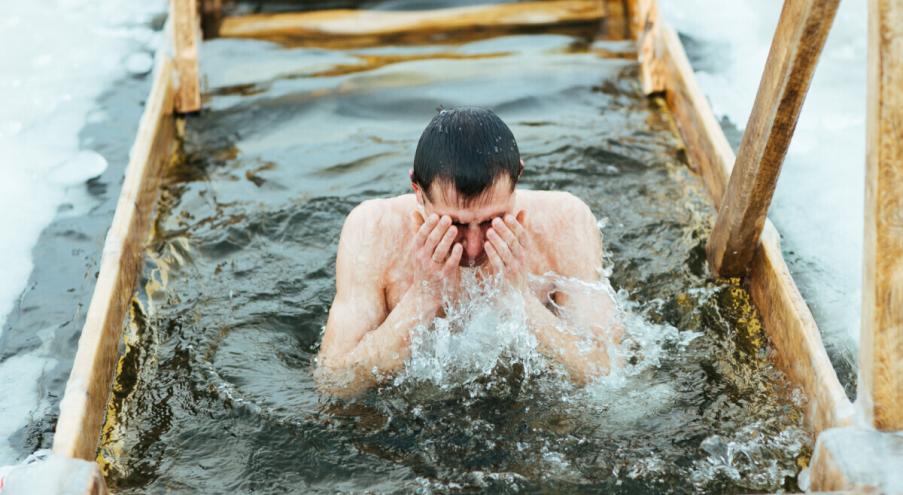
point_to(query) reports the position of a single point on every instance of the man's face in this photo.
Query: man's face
(472, 220)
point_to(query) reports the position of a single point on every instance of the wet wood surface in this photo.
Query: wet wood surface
(798, 41)
(84, 404)
(881, 340)
(184, 15)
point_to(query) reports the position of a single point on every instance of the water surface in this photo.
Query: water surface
(215, 391)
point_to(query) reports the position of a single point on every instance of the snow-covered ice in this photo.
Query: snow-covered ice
(59, 57)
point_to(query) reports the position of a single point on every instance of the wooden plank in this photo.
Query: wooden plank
(798, 41)
(788, 322)
(362, 27)
(881, 340)
(84, 403)
(184, 14)
(647, 31)
(616, 20)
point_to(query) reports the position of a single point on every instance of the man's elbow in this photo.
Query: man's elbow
(333, 379)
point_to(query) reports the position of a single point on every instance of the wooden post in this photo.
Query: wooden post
(211, 15)
(798, 41)
(881, 340)
(185, 57)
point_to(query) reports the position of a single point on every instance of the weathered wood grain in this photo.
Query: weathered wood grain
(881, 340)
(367, 27)
(184, 15)
(84, 403)
(788, 322)
(798, 41)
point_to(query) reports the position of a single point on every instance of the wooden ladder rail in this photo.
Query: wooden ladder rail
(798, 40)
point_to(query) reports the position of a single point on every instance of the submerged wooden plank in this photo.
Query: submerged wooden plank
(881, 341)
(185, 54)
(798, 41)
(785, 316)
(83, 406)
(336, 25)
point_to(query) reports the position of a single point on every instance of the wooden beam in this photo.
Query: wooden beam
(881, 339)
(211, 17)
(366, 27)
(798, 41)
(617, 20)
(792, 330)
(185, 54)
(84, 402)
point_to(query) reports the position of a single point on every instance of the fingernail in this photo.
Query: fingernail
(434, 217)
(496, 221)
(509, 218)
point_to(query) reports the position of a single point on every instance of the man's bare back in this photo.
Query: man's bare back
(398, 256)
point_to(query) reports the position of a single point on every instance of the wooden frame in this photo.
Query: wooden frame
(84, 403)
(664, 69)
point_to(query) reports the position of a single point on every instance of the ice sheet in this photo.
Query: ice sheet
(59, 57)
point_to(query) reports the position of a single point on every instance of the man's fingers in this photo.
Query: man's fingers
(502, 229)
(436, 235)
(500, 246)
(516, 224)
(454, 258)
(425, 228)
(494, 258)
(445, 244)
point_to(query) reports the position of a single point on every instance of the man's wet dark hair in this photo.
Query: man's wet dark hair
(469, 147)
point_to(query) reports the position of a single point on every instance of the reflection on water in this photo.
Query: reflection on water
(215, 392)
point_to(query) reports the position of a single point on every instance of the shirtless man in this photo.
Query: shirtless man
(397, 255)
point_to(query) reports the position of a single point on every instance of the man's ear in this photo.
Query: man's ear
(418, 193)
(417, 218)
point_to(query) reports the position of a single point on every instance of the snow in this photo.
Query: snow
(59, 57)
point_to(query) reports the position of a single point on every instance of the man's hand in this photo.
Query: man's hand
(435, 255)
(507, 248)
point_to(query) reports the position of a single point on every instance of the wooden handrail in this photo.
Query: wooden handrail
(798, 41)
(881, 338)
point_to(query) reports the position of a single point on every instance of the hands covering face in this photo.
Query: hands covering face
(435, 255)
(506, 246)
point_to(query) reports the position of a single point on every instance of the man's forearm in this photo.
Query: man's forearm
(382, 351)
(584, 357)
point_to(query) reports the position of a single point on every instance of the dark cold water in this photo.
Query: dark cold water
(215, 392)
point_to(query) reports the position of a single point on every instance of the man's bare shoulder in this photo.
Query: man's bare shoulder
(559, 211)
(375, 227)
(381, 213)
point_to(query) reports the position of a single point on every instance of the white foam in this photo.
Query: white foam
(818, 205)
(60, 56)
